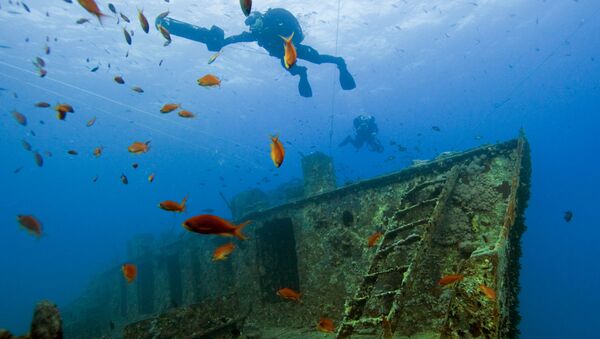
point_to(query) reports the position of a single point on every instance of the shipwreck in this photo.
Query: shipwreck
(461, 213)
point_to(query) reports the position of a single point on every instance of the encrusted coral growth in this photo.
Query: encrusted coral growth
(46, 323)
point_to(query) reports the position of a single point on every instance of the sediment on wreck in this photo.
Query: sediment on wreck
(461, 213)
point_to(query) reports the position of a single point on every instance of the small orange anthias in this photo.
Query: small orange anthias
(139, 147)
(209, 80)
(223, 251)
(277, 151)
(325, 325)
(211, 224)
(92, 7)
(173, 206)
(488, 291)
(290, 55)
(449, 279)
(129, 272)
(373, 238)
(290, 294)
(31, 224)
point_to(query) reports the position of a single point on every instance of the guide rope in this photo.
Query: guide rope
(333, 89)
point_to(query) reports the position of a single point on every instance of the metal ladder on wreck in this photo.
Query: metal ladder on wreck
(408, 235)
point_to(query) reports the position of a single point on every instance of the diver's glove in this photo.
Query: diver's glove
(216, 38)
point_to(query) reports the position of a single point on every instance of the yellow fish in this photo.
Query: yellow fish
(290, 56)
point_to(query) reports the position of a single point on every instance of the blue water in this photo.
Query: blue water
(479, 70)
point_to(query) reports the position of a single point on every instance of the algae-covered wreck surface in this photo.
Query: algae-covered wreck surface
(458, 214)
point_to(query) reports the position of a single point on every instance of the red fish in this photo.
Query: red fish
(31, 224)
(173, 206)
(372, 240)
(290, 55)
(211, 224)
(20, 118)
(325, 325)
(488, 291)
(139, 147)
(209, 80)
(449, 279)
(277, 151)
(223, 251)
(92, 8)
(129, 272)
(290, 294)
(246, 6)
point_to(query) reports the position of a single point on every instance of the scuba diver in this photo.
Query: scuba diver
(266, 29)
(366, 131)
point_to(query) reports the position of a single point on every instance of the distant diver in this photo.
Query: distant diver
(366, 132)
(266, 29)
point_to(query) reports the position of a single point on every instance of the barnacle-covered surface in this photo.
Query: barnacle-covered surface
(458, 214)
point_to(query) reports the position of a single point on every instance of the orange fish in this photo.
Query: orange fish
(98, 151)
(129, 272)
(372, 240)
(173, 206)
(288, 293)
(38, 159)
(223, 251)
(168, 108)
(277, 151)
(92, 8)
(143, 20)
(211, 224)
(387, 327)
(119, 79)
(449, 279)
(139, 147)
(64, 108)
(61, 115)
(91, 122)
(290, 55)
(42, 104)
(20, 118)
(246, 6)
(151, 177)
(186, 114)
(488, 291)
(325, 325)
(209, 80)
(31, 224)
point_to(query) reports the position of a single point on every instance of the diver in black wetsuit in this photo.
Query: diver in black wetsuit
(266, 30)
(366, 131)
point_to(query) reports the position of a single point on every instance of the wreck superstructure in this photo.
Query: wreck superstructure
(461, 213)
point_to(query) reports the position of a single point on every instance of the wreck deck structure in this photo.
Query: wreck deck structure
(461, 213)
